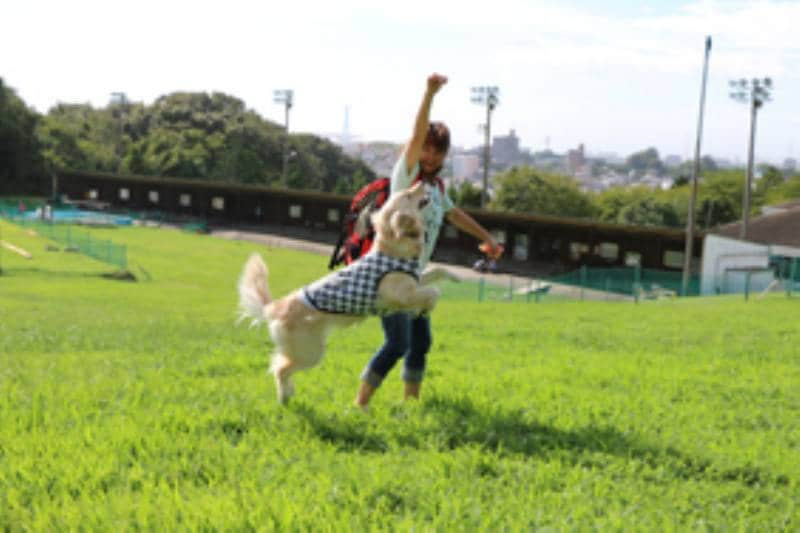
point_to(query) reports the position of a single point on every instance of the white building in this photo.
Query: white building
(729, 263)
(465, 167)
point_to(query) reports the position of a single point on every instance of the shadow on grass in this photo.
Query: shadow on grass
(449, 424)
(347, 434)
(124, 275)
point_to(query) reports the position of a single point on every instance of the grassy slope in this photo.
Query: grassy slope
(140, 403)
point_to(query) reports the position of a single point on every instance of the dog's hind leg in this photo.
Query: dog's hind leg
(282, 368)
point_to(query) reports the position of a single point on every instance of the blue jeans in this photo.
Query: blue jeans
(404, 335)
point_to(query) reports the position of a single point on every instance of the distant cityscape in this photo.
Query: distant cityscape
(592, 171)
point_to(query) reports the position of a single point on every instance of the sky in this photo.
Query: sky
(616, 75)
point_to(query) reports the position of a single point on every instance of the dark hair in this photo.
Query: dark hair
(438, 136)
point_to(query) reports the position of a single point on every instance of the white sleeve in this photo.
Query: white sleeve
(401, 178)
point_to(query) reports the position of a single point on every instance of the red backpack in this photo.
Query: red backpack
(357, 233)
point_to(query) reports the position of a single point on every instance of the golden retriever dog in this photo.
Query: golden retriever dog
(384, 280)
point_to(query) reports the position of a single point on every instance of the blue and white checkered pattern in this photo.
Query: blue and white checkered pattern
(354, 290)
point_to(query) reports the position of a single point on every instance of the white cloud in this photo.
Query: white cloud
(613, 81)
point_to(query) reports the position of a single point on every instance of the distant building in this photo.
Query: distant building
(466, 166)
(548, 160)
(576, 159)
(505, 150)
(378, 156)
(611, 158)
(790, 165)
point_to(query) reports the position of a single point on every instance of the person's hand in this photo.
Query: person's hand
(435, 82)
(492, 249)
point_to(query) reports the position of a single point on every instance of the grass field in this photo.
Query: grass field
(141, 406)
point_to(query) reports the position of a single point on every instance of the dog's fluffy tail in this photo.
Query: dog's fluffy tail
(253, 290)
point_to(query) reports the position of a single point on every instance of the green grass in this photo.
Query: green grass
(141, 406)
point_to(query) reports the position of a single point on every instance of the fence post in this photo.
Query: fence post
(607, 286)
(510, 288)
(746, 286)
(792, 274)
(583, 278)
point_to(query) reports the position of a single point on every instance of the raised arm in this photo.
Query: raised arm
(414, 146)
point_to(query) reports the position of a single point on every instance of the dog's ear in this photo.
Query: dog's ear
(381, 225)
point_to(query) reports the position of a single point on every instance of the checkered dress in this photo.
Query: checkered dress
(354, 290)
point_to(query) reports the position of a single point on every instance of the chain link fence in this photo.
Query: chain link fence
(75, 240)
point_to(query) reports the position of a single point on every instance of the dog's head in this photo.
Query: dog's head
(398, 224)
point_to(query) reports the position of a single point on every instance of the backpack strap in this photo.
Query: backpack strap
(349, 245)
(336, 259)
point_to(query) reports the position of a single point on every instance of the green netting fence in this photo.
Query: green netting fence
(103, 250)
(10, 206)
(632, 281)
(787, 270)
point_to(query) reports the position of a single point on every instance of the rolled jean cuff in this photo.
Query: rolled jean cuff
(412, 375)
(371, 378)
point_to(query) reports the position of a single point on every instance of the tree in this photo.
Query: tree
(648, 212)
(645, 160)
(197, 136)
(720, 197)
(466, 195)
(526, 190)
(20, 164)
(788, 190)
(771, 178)
(683, 172)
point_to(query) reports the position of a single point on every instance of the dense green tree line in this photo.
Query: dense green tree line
(528, 190)
(189, 135)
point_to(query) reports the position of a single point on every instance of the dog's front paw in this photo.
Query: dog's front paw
(437, 274)
(431, 299)
(452, 276)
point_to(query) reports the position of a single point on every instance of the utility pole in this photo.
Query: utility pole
(488, 96)
(756, 92)
(285, 97)
(688, 251)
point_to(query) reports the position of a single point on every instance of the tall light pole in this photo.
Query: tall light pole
(285, 97)
(756, 92)
(488, 96)
(687, 254)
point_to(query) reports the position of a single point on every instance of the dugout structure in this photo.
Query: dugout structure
(536, 245)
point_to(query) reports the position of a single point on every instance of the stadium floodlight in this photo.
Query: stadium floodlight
(285, 97)
(486, 96)
(756, 93)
